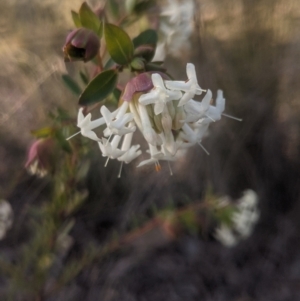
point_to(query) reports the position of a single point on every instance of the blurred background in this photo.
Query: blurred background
(248, 48)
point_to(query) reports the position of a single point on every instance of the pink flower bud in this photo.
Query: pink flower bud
(81, 44)
(140, 83)
(40, 157)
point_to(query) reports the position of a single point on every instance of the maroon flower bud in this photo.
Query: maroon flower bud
(140, 83)
(40, 157)
(145, 51)
(81, 44)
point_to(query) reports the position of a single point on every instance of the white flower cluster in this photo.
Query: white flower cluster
(166, 115)
(243, 220)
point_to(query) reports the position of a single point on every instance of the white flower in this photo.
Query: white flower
(131, 152)
(225, 235)
(196, 110)
(147, 129)
(190, 136)
(215, 112)
(248, 213)
(86, 125)
(175, 28)
(190, 87)
(111, 149)
(117, 120)
(155, 156)
(159, 95)
(244, 220)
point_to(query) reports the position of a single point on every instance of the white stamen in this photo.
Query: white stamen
(171, 172)
(210, 118)
(120, 171)
(73, 135)
(205, 150)
(232, 117)
(106, 162)
(108, 140)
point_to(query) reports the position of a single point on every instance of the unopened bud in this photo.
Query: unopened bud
(40, 157)
(81, 44)
(138, 64)
(145, 51)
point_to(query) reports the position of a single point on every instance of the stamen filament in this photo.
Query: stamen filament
(210, 118)
(73, 135)
(205, 150)
(171, 172)
(106, 162)
(120, 171)
(232, 117)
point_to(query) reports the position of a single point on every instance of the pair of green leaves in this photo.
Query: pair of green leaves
(88, 19)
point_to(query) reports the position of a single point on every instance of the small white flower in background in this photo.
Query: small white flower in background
(225, 236)
(6, 218)
(248, 214)
(175, 28)
(164, 112)
(244, 220)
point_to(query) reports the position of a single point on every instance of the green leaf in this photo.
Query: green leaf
(118, 44)
(99, 88)
(43, 132)
(155, 67)
(71, 84)
(143, 6)
(114, 8)
(76, 19)
(84, 77)
(64, 144)
(109, 64)
(117, 94)
(147, 37)
(89, 19)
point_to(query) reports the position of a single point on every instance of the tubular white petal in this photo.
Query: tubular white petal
(127, 142)
(157, 81)
(122, 109)
(185, 98)
(220, 102)
(147, 129)
(158, 107)
(136, 116)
